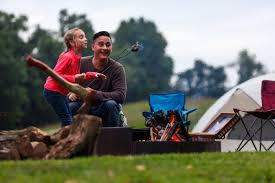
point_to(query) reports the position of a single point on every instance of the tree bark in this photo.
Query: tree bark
(39, 150)
(81, 139)
(77, 139)
(19, 142)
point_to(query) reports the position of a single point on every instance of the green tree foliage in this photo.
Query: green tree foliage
(13, 75)
(150, 70)
(45, 45)
(68, 21)
(248, 66)
(202, 80)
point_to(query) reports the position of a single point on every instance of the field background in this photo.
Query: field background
(133, 113)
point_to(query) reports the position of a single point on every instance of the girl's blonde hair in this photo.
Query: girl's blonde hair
(69, 36)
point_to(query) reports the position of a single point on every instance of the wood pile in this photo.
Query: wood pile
(78, 139)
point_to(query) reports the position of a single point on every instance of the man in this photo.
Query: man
(107, 94)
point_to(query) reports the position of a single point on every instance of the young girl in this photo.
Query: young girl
(68, 67)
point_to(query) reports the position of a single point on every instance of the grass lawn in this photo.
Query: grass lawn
(204, 167)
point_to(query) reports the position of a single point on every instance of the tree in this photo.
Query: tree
(248, 66)
(68, 21)
(202, 80)
(150, 70)
(13, 75)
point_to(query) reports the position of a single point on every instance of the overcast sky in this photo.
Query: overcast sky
(212, 30)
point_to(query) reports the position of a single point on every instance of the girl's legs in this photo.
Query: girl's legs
(60, 105)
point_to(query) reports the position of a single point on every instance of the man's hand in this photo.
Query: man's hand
(72, 97)
(101, 76)
(79, 78)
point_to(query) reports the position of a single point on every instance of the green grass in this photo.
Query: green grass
(133, 113)
(51, 128)
(202, 105)
(204, 167)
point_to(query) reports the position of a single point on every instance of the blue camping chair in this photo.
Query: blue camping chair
(169, 102)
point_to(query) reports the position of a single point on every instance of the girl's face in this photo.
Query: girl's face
(102, 47)
(80, 41)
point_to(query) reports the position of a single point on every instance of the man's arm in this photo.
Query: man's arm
(119, 88)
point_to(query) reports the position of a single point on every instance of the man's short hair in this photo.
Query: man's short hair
(101, 33)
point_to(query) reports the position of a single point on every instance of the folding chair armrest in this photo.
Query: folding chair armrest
(186, 123)
(186, 112)
(147, 114)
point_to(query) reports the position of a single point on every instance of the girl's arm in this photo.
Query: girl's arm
(62, 65)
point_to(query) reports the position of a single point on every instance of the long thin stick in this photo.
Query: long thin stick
(83, 93)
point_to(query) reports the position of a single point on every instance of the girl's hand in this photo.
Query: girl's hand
(79, 78)
(94, 75)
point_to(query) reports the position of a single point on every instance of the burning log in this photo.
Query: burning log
(84, 93)
(167, 127)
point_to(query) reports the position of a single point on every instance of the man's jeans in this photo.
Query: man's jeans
(107, 110)
(60, 105)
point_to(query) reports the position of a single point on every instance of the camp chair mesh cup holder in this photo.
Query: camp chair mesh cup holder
(168, 116)
(265, 114)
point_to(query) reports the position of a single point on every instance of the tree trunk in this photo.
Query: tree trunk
(81, 139)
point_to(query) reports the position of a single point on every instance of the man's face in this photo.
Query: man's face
(102, 47)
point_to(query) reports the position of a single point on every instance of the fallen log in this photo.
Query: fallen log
(35, 134)
(62, 133)
(9, 154)
(77, 139)
(39, 150)
(16, 144)
(81, 139)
